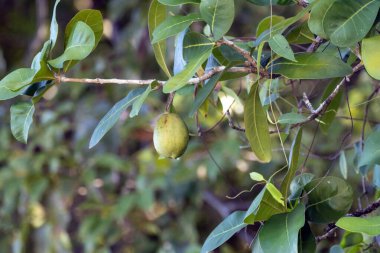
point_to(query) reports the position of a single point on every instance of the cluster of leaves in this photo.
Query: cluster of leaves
(340, 37)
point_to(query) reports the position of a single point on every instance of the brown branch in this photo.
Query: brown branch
(358, 213)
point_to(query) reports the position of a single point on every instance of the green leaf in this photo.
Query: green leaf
(195, 45)
(156, 15)
(329, 198)
(179, 63)
(284, 228)
(307, 243)
(347, 21)
(173, 25)
(281, 47)
(376, 176)
(17, 79)
(204, 92)
(219, 15)
(21, 120)
(39, 64)
(6, 93)
(79, 45)
(371, 56)
(257, 129)
(271, 2)
(343, 164)
(140, 101)
(267, 22)
(317, 17)
(351, 239)
(298, 183)
(293, 164)
(371, 151)
(256, 176)
(276, 194)
(328, 117)
(291, 118)
(179, 2)
(312, 66)
(263, 207)
(224, 231)
(110, 119)
(54, 25)
(300, 35)
(178, 81)
(280, 27)
(367, 225)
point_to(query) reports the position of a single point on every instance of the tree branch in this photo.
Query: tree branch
(361, 212)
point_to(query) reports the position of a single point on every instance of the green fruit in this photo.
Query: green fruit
(170, 135)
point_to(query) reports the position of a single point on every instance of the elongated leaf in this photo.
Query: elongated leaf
(312, 66)
(173, 25)
(376, 176)
(54, 25)
(179, 61)
(39, 64)
(195, 45)
(317, 17)
(256, 125)
(6, 93)
(368, 225)
(219, 15)
(293, 164)
(79, 45)
(329, 198)
(110, 119)
(204, 92)
(328, 117)
(179, 2)
(371, 151)
(136, 106)
(371, 56)
(224, 231)
(343, 164)
(21, 120)
(291, 118)
(280, 46)
(347, 21)
(178, 81)
(298, 184)
(17, 79)
(156, 15)
(276, 194)
(267, 22)
(284, 228)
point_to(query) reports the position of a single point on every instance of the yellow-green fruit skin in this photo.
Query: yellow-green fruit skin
(170, 135)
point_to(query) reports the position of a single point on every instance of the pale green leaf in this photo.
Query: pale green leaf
(136, 106)
(291, 118)
(371, 56)
(256, 176)
(367, 225)
(371, 151)
(276, 194)
(18, 79)
(343, 164)
(156, 15)
(256, 125)
(54, 25)
(281, 47)
(21, 120)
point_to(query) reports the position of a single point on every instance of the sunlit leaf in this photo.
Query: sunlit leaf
(366, 225)
(371, 56)
(281, 47)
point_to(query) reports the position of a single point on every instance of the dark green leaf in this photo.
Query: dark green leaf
(219, 15)
(284, 228)
(306, 243)
(156, 15)
(110, 119)
(267, 22)
(224, 231)
(293, 164)
(281, 47)
(269, 2)
(173, 25)
(21, 120)
(178, 81)
(317, 17)
(298, 183)
(79, 45)
(371, 151)
(371, 56)
(291, 118)
(195, 45)
(204, 92)
(347, 21)
(256, 124)
(367, 225)
(328, 117)
(329, 198)
(312, 66)
(179, 2)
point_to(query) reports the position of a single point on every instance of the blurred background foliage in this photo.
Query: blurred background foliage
(56, 195)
